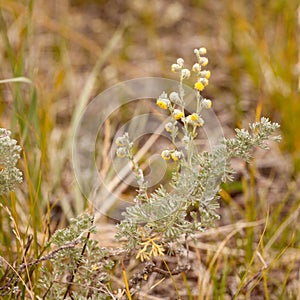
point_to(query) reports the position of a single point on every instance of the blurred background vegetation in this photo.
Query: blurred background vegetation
(71, 50)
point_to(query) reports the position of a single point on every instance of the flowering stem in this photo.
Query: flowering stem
(198, 109)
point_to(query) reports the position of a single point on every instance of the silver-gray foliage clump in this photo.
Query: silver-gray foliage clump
(192, 205)
(78, 258)
(10, 175)
(160, 219)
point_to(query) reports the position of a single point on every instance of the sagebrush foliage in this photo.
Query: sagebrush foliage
(191, 206)
(78, 266)
(10, 175)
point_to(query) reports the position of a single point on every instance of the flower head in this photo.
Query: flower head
(122, 152)
(204, 81)
(206, 103)
(199, 86)
(121, 141)
(163, 103)
(166, 155)
(177, 114)
(203, 61)
(194, 117)
(205, 74)
(169, 127)
(196, 68)
(202, 51)
(195, 120)
(174, 97)
(176, 155)
(180, 61)
(185, 73)
(175, 68)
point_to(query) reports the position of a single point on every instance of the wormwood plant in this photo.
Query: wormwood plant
(159, 220)
(74, 266)
(10, 175)
(79, 268)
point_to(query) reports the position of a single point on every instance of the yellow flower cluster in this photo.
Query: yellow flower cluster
(202, 75)
(122, 150)
(178, 66)
(174, 154)
(175, 104)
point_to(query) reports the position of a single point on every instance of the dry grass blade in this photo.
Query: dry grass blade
(19, 277)
(282, 227)
(126, 281)
(204, 283)
(16, 79)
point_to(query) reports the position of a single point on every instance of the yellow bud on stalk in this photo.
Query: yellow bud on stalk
(177, 114)
(175, 68)
(206, 103)
(176, 155)
(202, 51)
(166, 155)
(163, 103)
(199, 86)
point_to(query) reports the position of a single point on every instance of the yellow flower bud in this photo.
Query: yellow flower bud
(194, 117)
(176, 155)
(177, 114)
(196, 68)
(199, 86)
(169, 127)
(180, 61)
(206, 103)
(200, 122)
(205, 74)
(202, 51)
(195, 120)
(204, 81)
(203, 61)
(163, 103)
(165, 155)
(120, 141)
(185, 73)
(121, 152)
(176, 68)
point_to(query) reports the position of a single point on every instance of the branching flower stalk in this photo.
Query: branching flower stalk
(125, 150)
(159, 220)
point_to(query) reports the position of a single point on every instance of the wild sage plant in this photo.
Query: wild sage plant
(77, 267)
(158, 221)
(10, 175)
